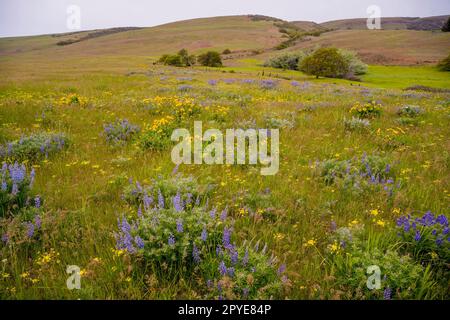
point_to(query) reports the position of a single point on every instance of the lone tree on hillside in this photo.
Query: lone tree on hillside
(325, 62)
(446, 26)
(210, 59)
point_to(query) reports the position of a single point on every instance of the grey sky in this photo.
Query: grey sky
(29, 17)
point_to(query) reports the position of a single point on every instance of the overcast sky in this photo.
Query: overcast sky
(30, 17)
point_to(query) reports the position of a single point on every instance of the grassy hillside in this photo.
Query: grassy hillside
(390, 47)
(396, 23)
(235, 32)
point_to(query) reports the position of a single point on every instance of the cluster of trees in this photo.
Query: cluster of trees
(184, 59)
(323, 62)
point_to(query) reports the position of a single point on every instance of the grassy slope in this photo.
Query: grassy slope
(394, 23)
(394, 47)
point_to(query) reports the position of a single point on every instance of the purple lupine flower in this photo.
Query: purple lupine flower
(32, 176)
(245, 292)
(442, 219)
(204, 235)
(175, 169)
(281, 269)
(147, 201)
(219, 251)
(226, 237)
(4, 186)
(231, 271)
(417, 237)
(209, 283)
(179, 225)
(188, 198)
(222, 268)
(212, 82)
(171, 240)
(15, 189)
(30, 229)
(139, 212)
(178, 206)
(245, 258)
(234, 256)
(212, 213)
(223, 215)
(37, 202)
(387, 293)
(295, 83)
(5, 238)
(160, 200)
(195, 254)
(37, 222)
(139, 242)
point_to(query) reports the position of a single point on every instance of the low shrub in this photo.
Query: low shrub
(410, 111)
(15, 188)
(120, 131)
(367, 110)
(34, 147)
(356, 124)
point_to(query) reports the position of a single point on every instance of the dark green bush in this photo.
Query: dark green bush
(325, 62)
(210, 59)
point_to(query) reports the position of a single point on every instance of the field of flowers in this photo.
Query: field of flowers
(87, 180)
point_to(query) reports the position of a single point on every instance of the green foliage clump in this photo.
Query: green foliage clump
(286, 61)
(34, 147)
(210, 59)
(15, 188)
(401, 277)
(120, 131)
(181, 59)
(176, 234)
(355, 65)
(410, 111)
(325, 62)
(367, 110)
(356, 124)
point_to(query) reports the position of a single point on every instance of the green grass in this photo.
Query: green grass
(82, 187)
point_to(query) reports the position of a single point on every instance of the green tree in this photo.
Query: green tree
(210, 59)
(325, 62)
(446, 26)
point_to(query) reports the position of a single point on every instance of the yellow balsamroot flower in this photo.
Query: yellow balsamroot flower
(353, 223)
(279, 236)
(380, 223)
(335, 247)
(46, 258)
(396, 211)
(118, 252)
(374, 212)
(310, 243)
(243, 211)
(83, 272)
